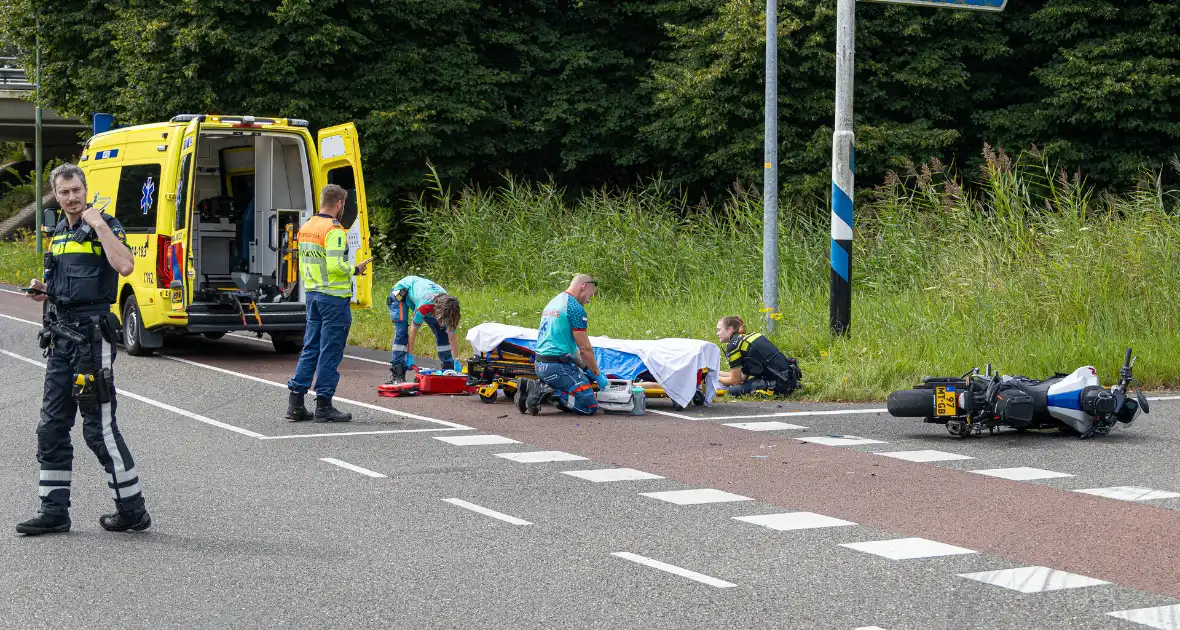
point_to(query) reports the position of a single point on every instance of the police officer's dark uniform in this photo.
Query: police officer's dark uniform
(765, 366)
(82, 285)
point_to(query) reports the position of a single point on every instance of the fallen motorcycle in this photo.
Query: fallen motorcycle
(1075, 403)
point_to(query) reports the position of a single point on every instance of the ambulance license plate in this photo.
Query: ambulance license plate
(176, 296)
(944, 401)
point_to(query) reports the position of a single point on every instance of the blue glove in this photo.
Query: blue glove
(409, 360)
(458, 365)
(602, 383)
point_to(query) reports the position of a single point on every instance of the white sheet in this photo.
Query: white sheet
(673, 362)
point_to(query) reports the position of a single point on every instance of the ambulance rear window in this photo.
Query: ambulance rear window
(138, 198)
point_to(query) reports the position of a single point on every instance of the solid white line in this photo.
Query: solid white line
(486, 512)
(656, 564)
(337, 398)
(23, 321)
(792, 414)
(13, 292)
(319, 435)
(669, 413)
(158, 404)
(1163, 397)
(352, 467)
(347, 356)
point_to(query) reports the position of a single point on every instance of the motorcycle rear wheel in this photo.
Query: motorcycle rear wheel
(911, 403)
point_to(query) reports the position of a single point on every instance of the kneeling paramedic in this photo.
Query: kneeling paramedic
(756, 363)
(415, 301)
(327, 280)
(87, 254)
(565, 361)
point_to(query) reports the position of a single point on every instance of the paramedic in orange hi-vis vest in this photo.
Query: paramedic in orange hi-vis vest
(327, 283)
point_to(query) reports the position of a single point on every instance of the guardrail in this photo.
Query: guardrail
(12, 76)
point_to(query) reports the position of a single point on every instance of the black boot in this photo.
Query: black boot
(539, 394)
(522, 393)
(397, 374)
(296, 411)
(138, 520)
(45, 524)
(325, 412)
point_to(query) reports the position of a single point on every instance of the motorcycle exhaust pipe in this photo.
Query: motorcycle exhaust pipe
(911, 403)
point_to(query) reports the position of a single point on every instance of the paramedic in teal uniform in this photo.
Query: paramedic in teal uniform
(564, 358)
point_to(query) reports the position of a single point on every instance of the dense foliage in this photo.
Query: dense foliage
(597, 92)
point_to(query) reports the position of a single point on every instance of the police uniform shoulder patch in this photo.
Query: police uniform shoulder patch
(116, 227)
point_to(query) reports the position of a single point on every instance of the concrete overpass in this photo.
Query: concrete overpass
(17, 115)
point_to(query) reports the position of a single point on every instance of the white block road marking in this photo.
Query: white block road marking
(1131, 493)
(335, 398)
(157, 404)
(1160, 617)
(347, 433)
(535, 457)
(696, 497)
(354, 468)
(1021, 473)
(925, 456)
(486, 512)
(673, 569)
(794, 520)
(1033, 579)
(611, 474)
(764, 426)
(476, 440)
(840, 440)
(907, 548)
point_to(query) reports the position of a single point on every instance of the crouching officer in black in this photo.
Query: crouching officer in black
(756, 364)
(88, 253)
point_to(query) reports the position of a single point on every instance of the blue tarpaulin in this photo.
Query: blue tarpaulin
(613, 363)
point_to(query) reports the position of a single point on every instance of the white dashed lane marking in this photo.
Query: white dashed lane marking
(794, 520)
(611, 474)
(907, 548)
(479, 509)
(1021, 473)
(696, 497)
(535, 457)
(1033, 579)
(476, 440)
(682, 572)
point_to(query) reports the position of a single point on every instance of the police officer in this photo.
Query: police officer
(565, 361)
(756, 363)
(414, 301)
(87, 254)
(327, 280)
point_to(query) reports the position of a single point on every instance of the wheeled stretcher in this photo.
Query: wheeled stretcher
(683, 370)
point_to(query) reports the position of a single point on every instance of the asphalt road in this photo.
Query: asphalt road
(386, 523)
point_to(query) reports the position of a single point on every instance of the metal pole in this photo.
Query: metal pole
(843, 163)
(770, 171)
(38, 190)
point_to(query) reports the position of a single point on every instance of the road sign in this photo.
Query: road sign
(979, 5)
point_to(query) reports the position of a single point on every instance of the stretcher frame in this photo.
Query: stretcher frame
(499, 370)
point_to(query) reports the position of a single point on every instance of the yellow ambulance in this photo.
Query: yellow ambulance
(212, 206)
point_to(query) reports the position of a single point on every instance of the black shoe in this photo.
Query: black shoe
(45, 524)
(325, 412)
(539, 394)
(296, 411)
(138, 521)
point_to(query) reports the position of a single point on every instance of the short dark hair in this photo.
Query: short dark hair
(331, 194)
(66, 171)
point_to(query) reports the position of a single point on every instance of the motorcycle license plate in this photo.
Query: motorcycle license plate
(944, 401)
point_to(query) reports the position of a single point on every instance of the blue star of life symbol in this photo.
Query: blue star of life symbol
(145, 203)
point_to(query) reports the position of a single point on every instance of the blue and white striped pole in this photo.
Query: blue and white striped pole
(843, 150)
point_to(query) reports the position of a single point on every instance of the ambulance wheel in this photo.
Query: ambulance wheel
(133, 329)
(286, 343)
(214, 335)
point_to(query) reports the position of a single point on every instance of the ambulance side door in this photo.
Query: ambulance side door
(340, 164)
(181, 256)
